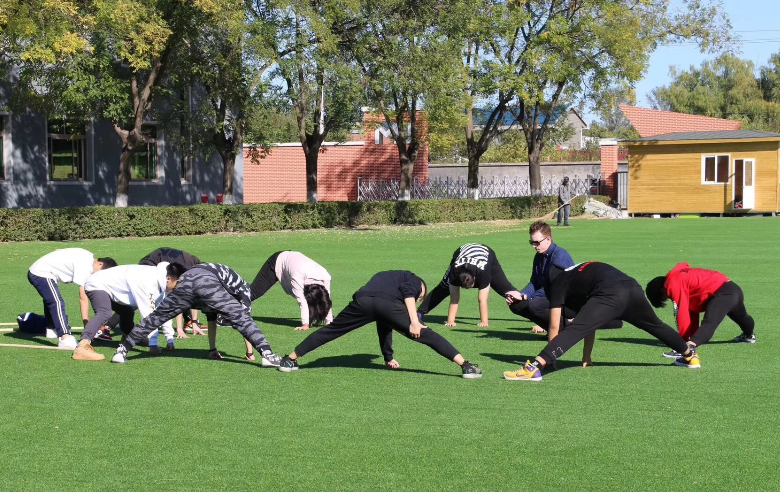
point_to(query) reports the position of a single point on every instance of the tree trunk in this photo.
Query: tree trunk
(312, 154)
(535, 170)
(473, 177)
(123, 179)
(229, 162)
(407, 168)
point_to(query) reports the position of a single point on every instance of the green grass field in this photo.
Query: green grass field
(343, 422)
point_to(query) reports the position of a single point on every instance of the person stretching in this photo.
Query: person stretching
(69, 265)
(598, 293)
(698, 290)
(472, 265)
(216, 290)
(389, 299)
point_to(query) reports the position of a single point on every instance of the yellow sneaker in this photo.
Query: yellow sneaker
(84, 351)
(528, 372)
(691, 362)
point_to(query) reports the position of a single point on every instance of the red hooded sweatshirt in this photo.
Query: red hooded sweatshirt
(690, 289)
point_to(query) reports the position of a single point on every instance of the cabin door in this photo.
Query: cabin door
(744, 183)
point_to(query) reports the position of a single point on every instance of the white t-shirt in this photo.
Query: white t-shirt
(294, 270)
(138, 286)
(69, 265)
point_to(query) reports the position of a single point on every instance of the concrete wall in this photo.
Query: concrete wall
(27, 183)
(550, 170)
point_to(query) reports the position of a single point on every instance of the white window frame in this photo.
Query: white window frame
(704, 165)
(159, 141)
(89, 142)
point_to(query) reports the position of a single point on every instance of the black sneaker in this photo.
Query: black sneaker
(746, 338)
(471, 371)
(289, 365)
(104, 335)
(672, 354)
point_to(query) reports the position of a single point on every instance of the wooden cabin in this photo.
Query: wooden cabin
(725, 171)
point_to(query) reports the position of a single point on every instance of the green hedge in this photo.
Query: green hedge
(102, 222)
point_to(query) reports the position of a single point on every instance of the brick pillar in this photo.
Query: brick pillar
(609, 167)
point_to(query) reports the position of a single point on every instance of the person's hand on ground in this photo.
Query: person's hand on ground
(393, 364)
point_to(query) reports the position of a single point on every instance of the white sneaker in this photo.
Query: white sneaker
(120, 355)
(51, 333)
(270, 359)
(68, 342)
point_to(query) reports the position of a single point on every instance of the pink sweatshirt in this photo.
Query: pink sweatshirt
(294, 270)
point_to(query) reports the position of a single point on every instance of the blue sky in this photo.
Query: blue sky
(755, 22)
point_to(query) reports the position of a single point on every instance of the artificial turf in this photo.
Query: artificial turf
(344, 422)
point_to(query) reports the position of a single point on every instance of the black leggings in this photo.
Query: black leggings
(265, 278)
(538, 311)
(389, 315)
(620, 301)
(728, 300)
(498, 282)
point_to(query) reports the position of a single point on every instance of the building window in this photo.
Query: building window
(144, 165)
(715, 169)
(67, 147)
(185, 168)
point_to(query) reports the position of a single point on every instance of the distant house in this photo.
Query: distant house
(562, 114)
(721, 171)
(46, 162)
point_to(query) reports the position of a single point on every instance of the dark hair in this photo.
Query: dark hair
(656, 292)
(175, 270)
(466, 279)
(540, 226)
(318, 299)
(107, 263)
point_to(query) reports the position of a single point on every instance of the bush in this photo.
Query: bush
(102, 222)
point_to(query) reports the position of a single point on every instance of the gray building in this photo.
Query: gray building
(47, 163)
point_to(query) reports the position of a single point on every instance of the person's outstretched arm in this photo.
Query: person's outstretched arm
(454, 300)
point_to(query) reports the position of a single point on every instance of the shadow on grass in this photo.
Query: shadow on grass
(202, 354)
(637, 341)
(468, 321)
(519, 360)
(512, 335)
(278, 321)
(360, 361)
(39, 339)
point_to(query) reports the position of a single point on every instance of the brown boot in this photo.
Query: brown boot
(84, 351)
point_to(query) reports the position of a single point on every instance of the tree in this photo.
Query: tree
(215, 65)
(130, 48)
(526, 57)
(407, 61)
(310, 42)
(726, 87)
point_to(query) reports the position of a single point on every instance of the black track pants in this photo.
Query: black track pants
(620, 301)
(728, 300)
(265, 278)
(388, 315)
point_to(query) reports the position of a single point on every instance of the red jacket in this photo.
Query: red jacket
(690, 289)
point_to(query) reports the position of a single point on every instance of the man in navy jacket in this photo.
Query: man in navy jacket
(533, 303)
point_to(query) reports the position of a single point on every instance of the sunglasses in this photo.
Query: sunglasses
(537, 243)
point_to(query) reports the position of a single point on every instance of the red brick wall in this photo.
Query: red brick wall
(281, 176)
(609, 167)
(651, 122)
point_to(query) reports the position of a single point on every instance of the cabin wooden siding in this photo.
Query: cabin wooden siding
(667, 177)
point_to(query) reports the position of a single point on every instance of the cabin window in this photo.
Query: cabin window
(715, 169)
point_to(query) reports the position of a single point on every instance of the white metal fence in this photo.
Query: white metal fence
(427, 189)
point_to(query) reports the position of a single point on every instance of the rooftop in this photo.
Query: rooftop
(708, 135)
